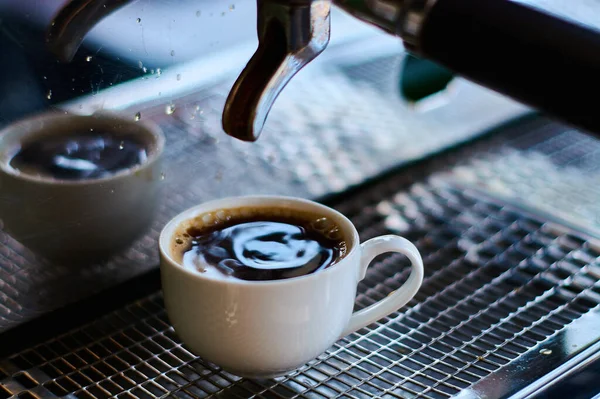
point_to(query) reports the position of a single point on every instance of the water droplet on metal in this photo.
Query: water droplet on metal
(178, 76)
(121, 145)
(139, 20)
(45, 78)
(140, 64)
(49, 96)
(152, 71)
(198, 13)
(88, 58)
(172, 53)
(91, 129)
(158, 71)
(144, 69)
(162, 176)
(138, 116)
(546, 352)
(170, 109)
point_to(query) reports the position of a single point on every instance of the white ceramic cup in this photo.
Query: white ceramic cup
(79, 221)
(261, 329)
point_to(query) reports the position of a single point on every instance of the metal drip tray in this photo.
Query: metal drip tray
(509, 296)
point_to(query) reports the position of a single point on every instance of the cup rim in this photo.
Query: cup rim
(37, 123)
(164, 240)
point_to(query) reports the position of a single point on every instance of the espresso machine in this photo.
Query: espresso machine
(491, 168)
(505, 45)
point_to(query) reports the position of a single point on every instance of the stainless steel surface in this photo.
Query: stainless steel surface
(343, 124)
(577, 364)
(556, 172)
(411, 23)
(577, 381)
(291, 34)
(383, 14)
(507, 297)
(402, 18)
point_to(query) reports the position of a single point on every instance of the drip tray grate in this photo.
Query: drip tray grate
(500, 286)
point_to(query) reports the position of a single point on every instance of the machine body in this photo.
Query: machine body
(536, 58)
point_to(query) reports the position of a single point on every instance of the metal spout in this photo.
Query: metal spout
(72, 23)
(291, 34)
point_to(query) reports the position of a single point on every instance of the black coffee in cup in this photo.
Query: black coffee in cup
(260, 243)
(79, 156)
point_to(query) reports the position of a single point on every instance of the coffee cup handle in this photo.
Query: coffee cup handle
(371, 249)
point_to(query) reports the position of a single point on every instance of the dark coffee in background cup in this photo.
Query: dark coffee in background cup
(79, 156)
(260, 243)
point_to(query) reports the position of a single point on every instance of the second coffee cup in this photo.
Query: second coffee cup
(75, 188)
